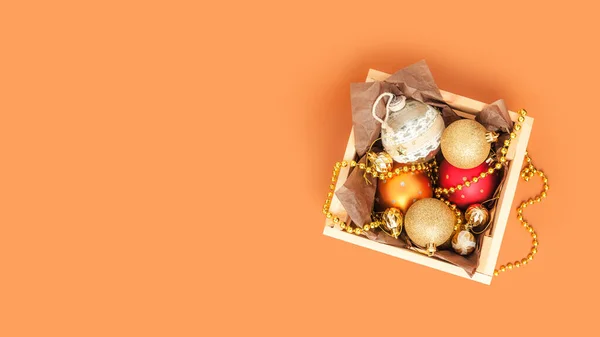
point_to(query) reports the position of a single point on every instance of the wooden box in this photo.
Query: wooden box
(492, 241)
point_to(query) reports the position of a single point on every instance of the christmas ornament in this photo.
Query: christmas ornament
(392, 220)
(466, 143)
(410, 131)
(477, 215)
(463, 242)
(468, 186)
(402, 190)
(382, 162)
(429, 223)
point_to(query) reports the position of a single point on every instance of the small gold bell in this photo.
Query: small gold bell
(381, 162)
(477, 215)
(392, 221)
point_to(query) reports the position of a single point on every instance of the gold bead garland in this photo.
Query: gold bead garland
(528, 172)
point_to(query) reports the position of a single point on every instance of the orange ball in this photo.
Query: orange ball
(402, 190)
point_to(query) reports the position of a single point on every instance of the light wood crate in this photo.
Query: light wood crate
(465, 107)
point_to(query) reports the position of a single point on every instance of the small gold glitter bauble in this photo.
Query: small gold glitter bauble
(392, 222)
(429, 223)
(477, 215)
(464, 242)
(464, 144)
(382, 161)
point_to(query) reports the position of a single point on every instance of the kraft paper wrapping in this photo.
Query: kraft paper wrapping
(357, 196)
(495, 117)
(416, 82)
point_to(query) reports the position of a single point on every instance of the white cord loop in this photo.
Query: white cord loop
(394, 103)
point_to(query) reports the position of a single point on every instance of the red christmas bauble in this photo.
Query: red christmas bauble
(482, 190)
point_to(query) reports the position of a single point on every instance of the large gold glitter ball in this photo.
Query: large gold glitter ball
(477, 215)
(429, 223)
(392, 221)
(464, 144)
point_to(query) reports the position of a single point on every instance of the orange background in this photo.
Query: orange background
(164, 166)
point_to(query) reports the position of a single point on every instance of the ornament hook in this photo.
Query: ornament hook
(431, 249)
(394, 103)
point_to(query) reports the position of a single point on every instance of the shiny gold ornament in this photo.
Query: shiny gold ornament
(402, 190)
(527, 172)
(465, 144)
(464, 242)
(477, 215)
(410, 130)
(429, 223)
(392, 222)
(381, 162)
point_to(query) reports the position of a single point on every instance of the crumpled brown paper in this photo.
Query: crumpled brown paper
(357, 195)
(495, 117)
(416, 82)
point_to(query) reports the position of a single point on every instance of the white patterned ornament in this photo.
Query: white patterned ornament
(411, 131)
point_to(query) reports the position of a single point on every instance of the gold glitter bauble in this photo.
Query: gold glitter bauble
(464, 144)
(429, 223)
(477, 215)
(392, 221)
(464, 242)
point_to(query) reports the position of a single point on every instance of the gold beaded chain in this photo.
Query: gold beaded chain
(527, 173)
(327, 205)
